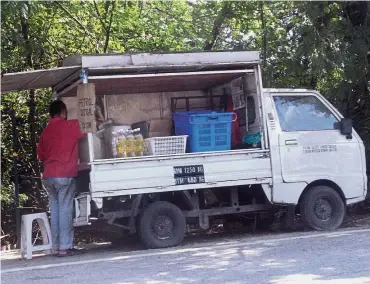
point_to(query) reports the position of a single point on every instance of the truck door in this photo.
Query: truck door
(312, 148)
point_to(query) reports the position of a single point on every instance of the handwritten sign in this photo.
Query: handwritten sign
(237, 93)
(86, 107)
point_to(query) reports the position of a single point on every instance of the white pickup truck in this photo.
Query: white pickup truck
(308, 155)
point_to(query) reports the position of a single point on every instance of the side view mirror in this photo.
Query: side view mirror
(346, 127)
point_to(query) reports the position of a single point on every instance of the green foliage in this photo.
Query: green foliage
(320, 45)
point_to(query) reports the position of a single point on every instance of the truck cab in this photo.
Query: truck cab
(311, 143)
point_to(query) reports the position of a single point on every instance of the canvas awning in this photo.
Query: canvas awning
(37, 79)
(165, 62)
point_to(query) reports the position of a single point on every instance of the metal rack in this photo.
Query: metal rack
(209, 106)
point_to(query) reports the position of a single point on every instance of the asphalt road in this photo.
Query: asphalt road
(335, 258)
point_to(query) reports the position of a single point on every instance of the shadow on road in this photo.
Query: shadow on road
(336, 257)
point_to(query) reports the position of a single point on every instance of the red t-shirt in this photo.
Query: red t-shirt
(58, 148)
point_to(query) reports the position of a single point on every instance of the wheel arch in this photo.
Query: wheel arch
(324, 182)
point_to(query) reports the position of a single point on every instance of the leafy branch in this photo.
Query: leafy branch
(76, 20)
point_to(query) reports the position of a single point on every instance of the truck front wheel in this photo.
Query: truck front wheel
(162, 225)
(322, 208)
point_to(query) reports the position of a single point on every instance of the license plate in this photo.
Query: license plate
(188, 174)
(189, 180)
(184, 171)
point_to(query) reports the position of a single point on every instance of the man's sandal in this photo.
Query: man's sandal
(70, 252)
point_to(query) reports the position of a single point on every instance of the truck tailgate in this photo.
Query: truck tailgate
(179, 172)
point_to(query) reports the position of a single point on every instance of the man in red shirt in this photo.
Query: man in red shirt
(58, 150)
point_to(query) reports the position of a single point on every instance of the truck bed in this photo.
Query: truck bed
(113, 177)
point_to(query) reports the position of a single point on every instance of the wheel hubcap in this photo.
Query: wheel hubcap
(163, 227)
(323, 209)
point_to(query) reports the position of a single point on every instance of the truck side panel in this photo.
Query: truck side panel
(145, 175)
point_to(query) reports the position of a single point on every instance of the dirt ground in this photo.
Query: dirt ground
(358, 216)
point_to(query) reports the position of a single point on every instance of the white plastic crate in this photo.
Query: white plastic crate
(168, 145)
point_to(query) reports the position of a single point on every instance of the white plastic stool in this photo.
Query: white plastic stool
(27, 248)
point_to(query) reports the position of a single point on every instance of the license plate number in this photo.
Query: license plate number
(188, 171)
(189, 180)
(188, 174)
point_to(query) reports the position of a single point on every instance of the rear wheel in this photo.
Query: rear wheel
(161, 225)
(322, 208)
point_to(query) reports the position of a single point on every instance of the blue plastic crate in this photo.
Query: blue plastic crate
(207, 130)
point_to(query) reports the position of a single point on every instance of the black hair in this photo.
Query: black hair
(56, 108)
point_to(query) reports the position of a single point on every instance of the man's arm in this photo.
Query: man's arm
(76, 129)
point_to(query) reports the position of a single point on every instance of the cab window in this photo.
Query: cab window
(303, 113)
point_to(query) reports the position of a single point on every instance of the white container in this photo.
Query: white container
(169, 145)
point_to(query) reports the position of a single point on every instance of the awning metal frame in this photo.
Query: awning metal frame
(241, 71)
(64, 91)
(72, 78)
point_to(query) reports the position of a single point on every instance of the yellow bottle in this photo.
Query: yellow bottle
(122, 145)
(139, 143)
(130, 144)
(114, 144)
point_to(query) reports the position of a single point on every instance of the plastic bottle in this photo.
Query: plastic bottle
(114, 144)
(119, 145)
(122, 145)
(139, 143)
(130, 144)
(135, 146)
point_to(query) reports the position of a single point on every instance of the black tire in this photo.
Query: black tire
(322, 208)
(162, 225)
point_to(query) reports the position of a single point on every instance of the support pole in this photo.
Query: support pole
(16, 177)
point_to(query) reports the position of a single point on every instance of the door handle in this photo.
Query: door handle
(291, 142)
(260, 156)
